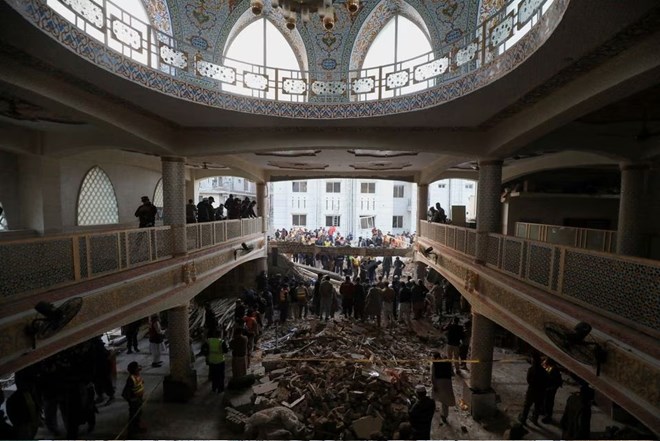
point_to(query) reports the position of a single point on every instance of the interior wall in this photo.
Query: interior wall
(553, 209)
(131, 176)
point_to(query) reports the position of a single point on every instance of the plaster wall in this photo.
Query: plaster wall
(553, 209)
(131, 177)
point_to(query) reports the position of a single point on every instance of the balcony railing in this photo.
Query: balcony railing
(106, 22)
(585, 238)
(617, 285)
(38, 264)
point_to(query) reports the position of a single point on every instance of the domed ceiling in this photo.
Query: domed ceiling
(208, 24)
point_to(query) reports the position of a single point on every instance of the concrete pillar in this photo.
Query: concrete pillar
(480, 395)
(631, 238)
(174, 201)
(262, 205)
(422, 204)
(489, 207)
(40, 194)
(181, 383)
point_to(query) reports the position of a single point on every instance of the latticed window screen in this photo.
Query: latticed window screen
(158, 194)
(97, 203)
(158, 198)
(3, 219)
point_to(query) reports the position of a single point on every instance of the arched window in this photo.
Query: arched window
(260, 44)
(396, 46)
(97, 203)
(158, 198)
(3, 218)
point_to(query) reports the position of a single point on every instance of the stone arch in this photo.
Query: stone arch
(159, 15)
(97, 200)
(376, 21)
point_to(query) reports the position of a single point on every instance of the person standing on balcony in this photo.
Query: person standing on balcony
(191, 212)
(146, 213)
(440, 214)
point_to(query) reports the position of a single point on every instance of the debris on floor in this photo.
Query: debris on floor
(340, 379)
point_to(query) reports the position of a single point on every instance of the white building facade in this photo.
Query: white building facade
(355, 206)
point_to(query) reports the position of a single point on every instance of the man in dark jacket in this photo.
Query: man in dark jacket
(146, 213)
(421, 414)
(536, 384)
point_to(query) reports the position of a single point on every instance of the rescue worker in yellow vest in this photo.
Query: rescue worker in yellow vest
(215, 349)
(134, 393)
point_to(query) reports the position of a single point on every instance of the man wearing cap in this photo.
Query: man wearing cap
(134, 393)
(421, 414)
(146, 213)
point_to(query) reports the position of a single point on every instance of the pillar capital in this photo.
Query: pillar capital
(625, 166)
(172, 159)
(487, 162)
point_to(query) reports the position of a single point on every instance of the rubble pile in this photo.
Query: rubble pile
(342, 379)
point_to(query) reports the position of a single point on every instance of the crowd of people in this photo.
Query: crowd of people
(331, 236)
(232, 208)
(203, 211)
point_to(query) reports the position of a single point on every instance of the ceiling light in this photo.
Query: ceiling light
(291, 9)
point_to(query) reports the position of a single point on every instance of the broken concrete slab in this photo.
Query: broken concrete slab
(239, 400)
(262, 389)
(365, 426)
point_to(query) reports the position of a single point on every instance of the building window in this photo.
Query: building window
(368, 187)
(299, 187)
(332, 221)
(367, 222)
(333, 187)
(398, 191)
(263, 44)
(397, 221)
(299, 220)
(442, 185)
(469, 185)
(97, 203)
(392, 46)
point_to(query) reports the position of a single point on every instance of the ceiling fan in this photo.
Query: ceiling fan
(574, 343)
(53, 320)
